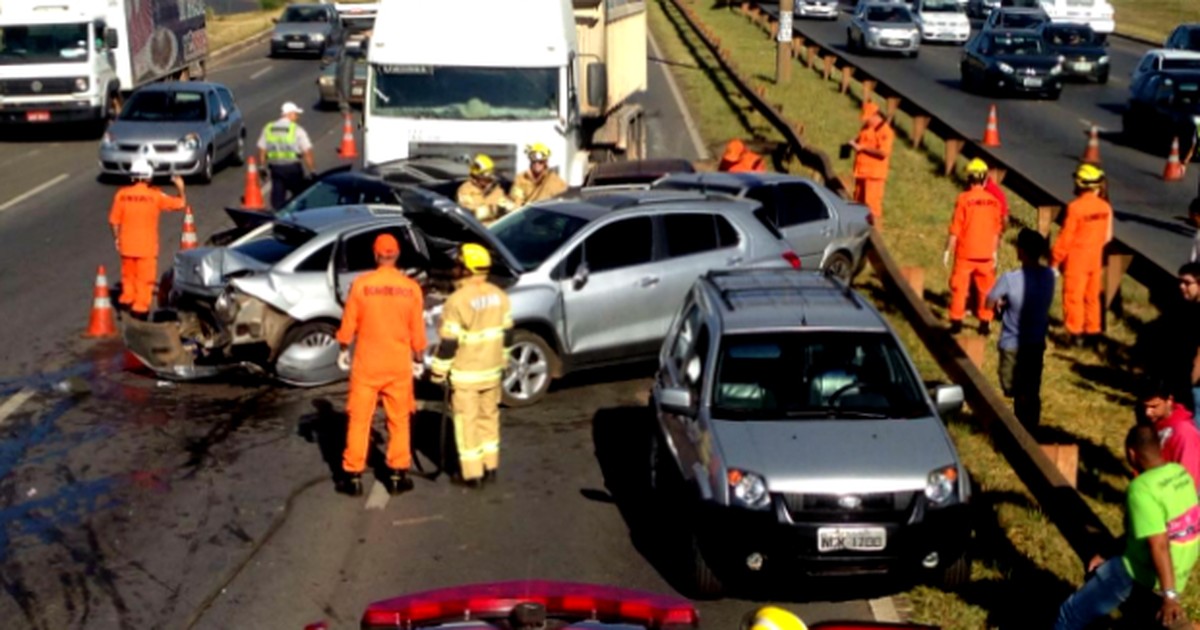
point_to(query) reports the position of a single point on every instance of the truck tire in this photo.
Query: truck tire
(534, 363)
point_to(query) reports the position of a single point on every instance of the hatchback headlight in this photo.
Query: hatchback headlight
(317, 37)
(941, 488)
(873, 29)
(108, 140)
(1103, 60)
(190, 142)
(1056, 69)
(81, 84)
(748, 489)
(1005, 68)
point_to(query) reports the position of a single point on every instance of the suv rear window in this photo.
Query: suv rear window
(818, 375)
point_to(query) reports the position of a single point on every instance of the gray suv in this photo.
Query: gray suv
(306, 29)
(792, 429)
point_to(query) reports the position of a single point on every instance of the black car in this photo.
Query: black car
(1013, 62)
(1162, 107)
(1184, 37)
(1083, 53)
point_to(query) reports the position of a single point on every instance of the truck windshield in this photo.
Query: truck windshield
(48, 43)
(461, 93)
(818, 375)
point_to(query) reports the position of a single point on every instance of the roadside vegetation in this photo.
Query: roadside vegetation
(1023, 568)
(1154, 19)
(227, 29)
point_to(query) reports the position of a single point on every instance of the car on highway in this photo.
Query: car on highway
(884, 27)
(327, 89)
(185, 128)
(792, 427)
(1013, 62)
(1082, 52)
(826, 231)
(1184, 37)
(1098, 14)
(942, 21)
(827, 9)
(1163, 106)
(1014, 18)
(306, 29)
(1162, 59)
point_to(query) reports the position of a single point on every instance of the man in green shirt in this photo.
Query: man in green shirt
(1162, 540)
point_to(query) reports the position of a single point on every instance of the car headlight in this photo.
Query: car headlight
(277, 37)
(941, 488)
(317, 37)
(190, 142)
(226, 307)
(81, 84)
(1005, 68)
(873, 29)
(748, 489)
(1103, 60)
(1056, 69)
(325, 80)
(108, 140)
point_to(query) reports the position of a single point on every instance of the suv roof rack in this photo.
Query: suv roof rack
(727, 294)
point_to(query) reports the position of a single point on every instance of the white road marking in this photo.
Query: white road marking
(418, 520)
(693, 131)
(14, 402)
(884, 609)
(260, 73)
(29, 193)
(378, 497)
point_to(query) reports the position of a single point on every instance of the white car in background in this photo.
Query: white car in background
(1097, 13)
(827, 9)
(942, 21)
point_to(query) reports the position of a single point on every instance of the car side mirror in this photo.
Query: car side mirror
(677, 401)
(222, 114)
(597, 85)
(948, 399)
(111, 38)
(581, 276)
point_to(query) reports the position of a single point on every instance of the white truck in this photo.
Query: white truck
(74, 60)
(452, 79)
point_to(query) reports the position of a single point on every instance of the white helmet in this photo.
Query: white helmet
(141, 169)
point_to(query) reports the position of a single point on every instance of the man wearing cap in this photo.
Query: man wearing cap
(872, 158)
(281, 147)
(384, 319)
(539, 182)
(134, 221)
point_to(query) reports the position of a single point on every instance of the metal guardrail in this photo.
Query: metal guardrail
(1067, 510)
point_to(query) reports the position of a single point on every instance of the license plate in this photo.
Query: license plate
(1032, 82)
(295, 44)
(37, 116)
(851, 538)
(1083, 66)
(356, 92)
(895, 42)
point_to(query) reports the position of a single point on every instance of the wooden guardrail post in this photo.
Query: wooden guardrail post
(1066, 460)
(797, 46)
(997, 173)
(1046, 215)
(812, 56)
(893, 104)
(868, 89)
(847, 74)
(953, 149)
(1116, 264)
(920, 126)
(829, 59)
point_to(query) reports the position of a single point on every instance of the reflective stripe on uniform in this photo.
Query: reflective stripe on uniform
(281, 147)
(490, 448)
(441, 365)
(487, 334)
(475, 376)
(450, 330)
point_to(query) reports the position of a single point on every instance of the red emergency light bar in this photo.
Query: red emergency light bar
(495, 600)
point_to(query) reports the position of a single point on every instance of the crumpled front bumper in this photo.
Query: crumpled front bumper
(161, 346)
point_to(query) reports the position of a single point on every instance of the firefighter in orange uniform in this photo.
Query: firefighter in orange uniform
(476, 329)
(740, 159)
(384, 318)
(1079, 250)
(872, 158)
(134, 222)
(974, 238)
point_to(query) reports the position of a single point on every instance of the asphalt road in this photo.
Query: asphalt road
(130, 503)
(1044, 139)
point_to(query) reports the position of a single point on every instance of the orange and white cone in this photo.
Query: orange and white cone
(187, 239)
(102, 323)
(252, 198)
(348, 149)
(991, 135)
(1091, 155)
(1174, 170)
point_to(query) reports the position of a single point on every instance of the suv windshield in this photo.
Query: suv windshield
(832, 375)
(534, 233)
(50, 43)
(460, 93)
(305, 14)
(275, 244)
(161, 106)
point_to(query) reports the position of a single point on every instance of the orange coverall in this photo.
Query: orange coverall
(977, 225)
(1080, 250)
(385, 311)
(739, 159)
(870, 173)
(134, 218)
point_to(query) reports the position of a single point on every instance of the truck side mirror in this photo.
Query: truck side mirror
(111, 39)
(597, 85)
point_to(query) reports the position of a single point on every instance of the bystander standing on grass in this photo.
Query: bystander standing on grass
(1184, 331)
(1177, 432)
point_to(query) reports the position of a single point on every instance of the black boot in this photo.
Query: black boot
(985, 328)
(350, 485)
(955, 327)
(490, 476)
(398, 482)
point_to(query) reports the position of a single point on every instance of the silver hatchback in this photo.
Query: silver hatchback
(886, 27)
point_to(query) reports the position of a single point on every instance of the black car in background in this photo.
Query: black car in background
(1083, 53)
(1184, 37)
(1163, 106)
(1013, 62)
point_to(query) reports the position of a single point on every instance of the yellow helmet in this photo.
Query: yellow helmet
(537, 152)
(475, 258)
(482, 165)
(977, 167)
(773, 618)
(1088, 175)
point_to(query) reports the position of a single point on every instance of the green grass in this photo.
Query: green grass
(1024, 568)
(1154, 19)
(227, 29)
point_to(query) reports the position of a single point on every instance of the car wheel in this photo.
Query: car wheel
(1054, 94)
(965, 81)
(205, 174)
(238, 157)
(850, 46)
(704, 582)
(840, 266)
(308, 355)
(531, 367)
(1102, 79)
(913, 55)
(955, 574)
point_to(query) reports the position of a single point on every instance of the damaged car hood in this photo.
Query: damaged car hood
(206, 270)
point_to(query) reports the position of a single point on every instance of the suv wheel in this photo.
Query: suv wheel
(703, 580)
(530, 370)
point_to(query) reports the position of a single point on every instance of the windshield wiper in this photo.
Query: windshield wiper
(835, 413)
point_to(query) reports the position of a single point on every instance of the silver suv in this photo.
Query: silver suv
(792, 429)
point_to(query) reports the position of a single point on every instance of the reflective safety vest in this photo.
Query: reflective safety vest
(474, 321)
(281, 147)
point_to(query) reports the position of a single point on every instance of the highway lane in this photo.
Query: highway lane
(135, 504)
(1043, 139)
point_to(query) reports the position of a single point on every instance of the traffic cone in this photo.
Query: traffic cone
(991, 136)
(347, 150)
(1091, 155)
(187, 240)
(252, 198)
(102, 324)
(1174, 170)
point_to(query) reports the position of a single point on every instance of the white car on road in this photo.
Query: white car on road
(942, 21)
(1097, 13)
